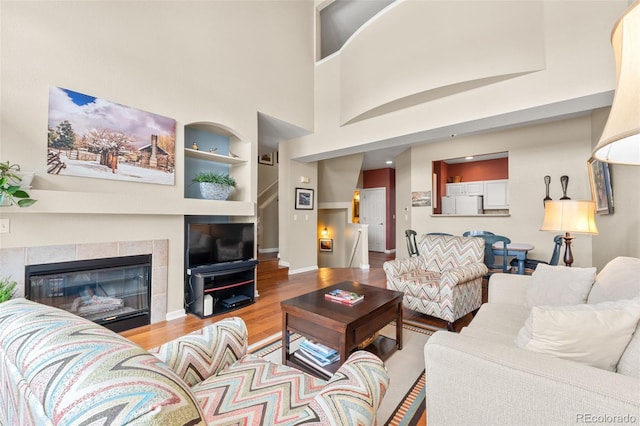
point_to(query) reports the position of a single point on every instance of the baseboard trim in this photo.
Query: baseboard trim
(301, 270)
(180, 313)
(269, 250)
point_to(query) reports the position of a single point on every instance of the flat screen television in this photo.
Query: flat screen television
(209, 243)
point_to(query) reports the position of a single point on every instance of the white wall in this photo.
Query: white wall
(554, 149)
(578, 74)
(404, 216)
(619, 232)
(269, 221)
(298, 237)
(215, 62)
(415, 51)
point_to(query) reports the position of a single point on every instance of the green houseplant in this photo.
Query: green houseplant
(10, 192)
(7, 288)
(214, 185)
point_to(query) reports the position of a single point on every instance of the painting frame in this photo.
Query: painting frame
(600, 183)
(421, 199)
(92, 137)
(266, 159)
(326, 244)
(304, 199)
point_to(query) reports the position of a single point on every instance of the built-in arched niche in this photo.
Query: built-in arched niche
(211, 147)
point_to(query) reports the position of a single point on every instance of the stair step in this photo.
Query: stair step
(270, 268)
(268, 264)
(274, 274)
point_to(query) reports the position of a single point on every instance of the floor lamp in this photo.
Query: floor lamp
(570, 216)
(620, 140)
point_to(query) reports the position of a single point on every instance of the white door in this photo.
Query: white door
(373, 211)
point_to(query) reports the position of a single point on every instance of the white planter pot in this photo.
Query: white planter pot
(215, 191)
(26, 177)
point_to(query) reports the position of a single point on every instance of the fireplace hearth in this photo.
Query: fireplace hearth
(113, 292)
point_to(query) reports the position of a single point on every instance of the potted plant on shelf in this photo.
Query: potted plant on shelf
(7, 288)
(10, 191)
(215, 186)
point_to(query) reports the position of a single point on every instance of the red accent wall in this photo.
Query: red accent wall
(479, 170)
(385, 178)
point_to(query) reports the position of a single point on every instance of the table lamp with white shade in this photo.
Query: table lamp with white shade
(570, 216)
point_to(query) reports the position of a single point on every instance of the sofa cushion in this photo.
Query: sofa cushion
(203, 353)
(618, 280)
(58, 368)
(595, 335)
(256, 391)
(559, 285)
(497, 323)
(629, 364)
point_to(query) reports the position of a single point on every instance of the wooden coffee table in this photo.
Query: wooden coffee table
(339, 326)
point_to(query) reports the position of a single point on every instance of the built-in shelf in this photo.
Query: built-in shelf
(71, 202)
(208, 156)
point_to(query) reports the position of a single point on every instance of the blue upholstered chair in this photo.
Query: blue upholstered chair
(490, 253)
(476, 233)
(412, 246)
(531, 264)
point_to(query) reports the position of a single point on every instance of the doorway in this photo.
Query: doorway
(373, 211)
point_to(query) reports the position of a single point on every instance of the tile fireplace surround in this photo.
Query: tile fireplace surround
(13, 261)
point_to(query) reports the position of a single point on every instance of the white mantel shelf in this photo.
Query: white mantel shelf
(67, 202)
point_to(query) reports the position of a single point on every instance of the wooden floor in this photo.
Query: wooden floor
(264, 318)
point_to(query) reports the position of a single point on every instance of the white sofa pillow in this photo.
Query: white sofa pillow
(618, 280)
(559, 285)
(595, 335)
(629, 364)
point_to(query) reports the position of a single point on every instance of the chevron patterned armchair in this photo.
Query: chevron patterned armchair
(59, 369)
(445, 280)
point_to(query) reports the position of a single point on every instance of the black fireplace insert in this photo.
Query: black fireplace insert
(114, 292)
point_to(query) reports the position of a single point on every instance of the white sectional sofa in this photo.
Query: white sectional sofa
(528, 356)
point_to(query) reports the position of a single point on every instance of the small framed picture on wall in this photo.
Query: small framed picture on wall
(304, 199)
(266, 159)
(326, 244)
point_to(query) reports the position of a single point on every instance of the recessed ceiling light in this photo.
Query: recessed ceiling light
(389, 162)
(469, 157)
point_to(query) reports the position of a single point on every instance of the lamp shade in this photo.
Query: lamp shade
(620, 140)
(570, 216)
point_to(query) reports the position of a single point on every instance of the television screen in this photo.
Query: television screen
(211, 243)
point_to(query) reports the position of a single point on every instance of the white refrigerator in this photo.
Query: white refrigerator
(462, 204)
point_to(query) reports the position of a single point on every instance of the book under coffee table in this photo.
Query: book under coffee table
(339, 326)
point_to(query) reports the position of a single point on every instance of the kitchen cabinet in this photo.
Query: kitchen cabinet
(496, 194)
(465, 188)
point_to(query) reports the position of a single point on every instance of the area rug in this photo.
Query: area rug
(404, 401)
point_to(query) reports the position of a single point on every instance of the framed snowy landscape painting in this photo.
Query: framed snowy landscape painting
(92, 137)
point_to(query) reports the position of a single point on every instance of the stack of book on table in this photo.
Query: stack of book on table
(345, 297)
(317, 355)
